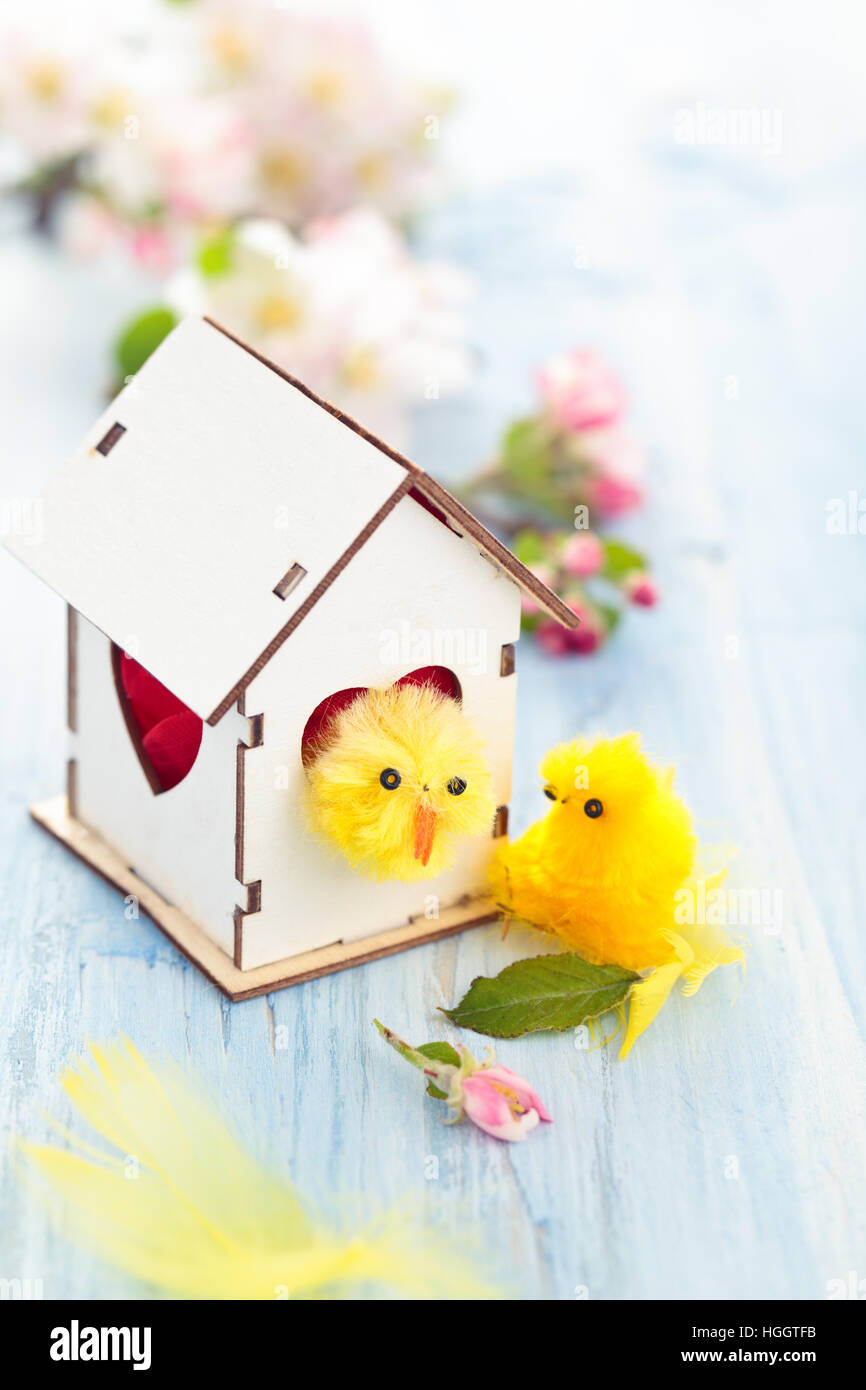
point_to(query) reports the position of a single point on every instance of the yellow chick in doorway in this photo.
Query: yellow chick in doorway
(399, 780)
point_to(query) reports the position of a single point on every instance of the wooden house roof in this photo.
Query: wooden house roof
(210, 507)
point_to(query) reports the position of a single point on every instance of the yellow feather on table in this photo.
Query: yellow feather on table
(400, 780)
(609, 868)
(184, 1207)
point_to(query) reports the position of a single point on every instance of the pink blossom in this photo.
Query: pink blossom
(589, 636)
(580, 391)
(501, 1103)
(641, 588)
(612, 496)
(152, 249)
(494, 1097)
(617, 460)
(582, 641)
(586, 639)
(552, 638)
(583, 555)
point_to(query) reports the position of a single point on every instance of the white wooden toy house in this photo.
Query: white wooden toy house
(256, 552)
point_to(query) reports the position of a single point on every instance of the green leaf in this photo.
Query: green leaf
(526, 454)
(140, 337)
(612, 616)
(439, 1052)
(620, 560)
(557, 991)
(528, 546)
(215, 256)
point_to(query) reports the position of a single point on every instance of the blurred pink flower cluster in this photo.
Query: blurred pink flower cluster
(574, 462)
(584, 403)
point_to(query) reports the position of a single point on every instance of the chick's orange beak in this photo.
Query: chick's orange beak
(425, 829)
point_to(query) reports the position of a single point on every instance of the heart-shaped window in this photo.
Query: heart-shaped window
(165, 733)
(316, 727)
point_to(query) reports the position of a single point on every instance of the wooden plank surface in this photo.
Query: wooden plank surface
(726, 1156)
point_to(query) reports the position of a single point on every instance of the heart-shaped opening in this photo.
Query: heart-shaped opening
(317, 726)
(165, 733)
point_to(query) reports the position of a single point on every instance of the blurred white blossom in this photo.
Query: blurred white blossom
(256, 158)
(346, 309)
(222, 109)
(43, 100)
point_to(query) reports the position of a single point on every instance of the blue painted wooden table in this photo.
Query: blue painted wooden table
(726, 1156)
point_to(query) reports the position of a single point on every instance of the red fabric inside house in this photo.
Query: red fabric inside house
(319, 721)
(170, 732)
(439, 677)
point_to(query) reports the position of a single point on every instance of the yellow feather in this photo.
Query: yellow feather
(189, 1211)
(426, 739)
(648, 997)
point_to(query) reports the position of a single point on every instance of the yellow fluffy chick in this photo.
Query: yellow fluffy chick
(400, 779)
(605, 868)
(602, 867)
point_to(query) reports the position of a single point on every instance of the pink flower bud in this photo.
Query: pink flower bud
(640, 588)
(580, 391)
(152, 249)
(583, 555)
(501, 1103)
(586, 639)
(612, 496)
(494, 1098)
(615, 452)
(592, 631)
(582, 641)
(552, 638)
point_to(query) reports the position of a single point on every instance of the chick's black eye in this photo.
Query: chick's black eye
(456, 786)
(390, 778)
(593, 808)
(550, 793)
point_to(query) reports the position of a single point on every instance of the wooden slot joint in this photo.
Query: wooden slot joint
(71, 669)
(256, 723)
(290, 580)
(237, 953)
(108, 441)
(500, 822)
(507, 659)
(253, 890)
(72, 786)
(239, 914)
(239, 811)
